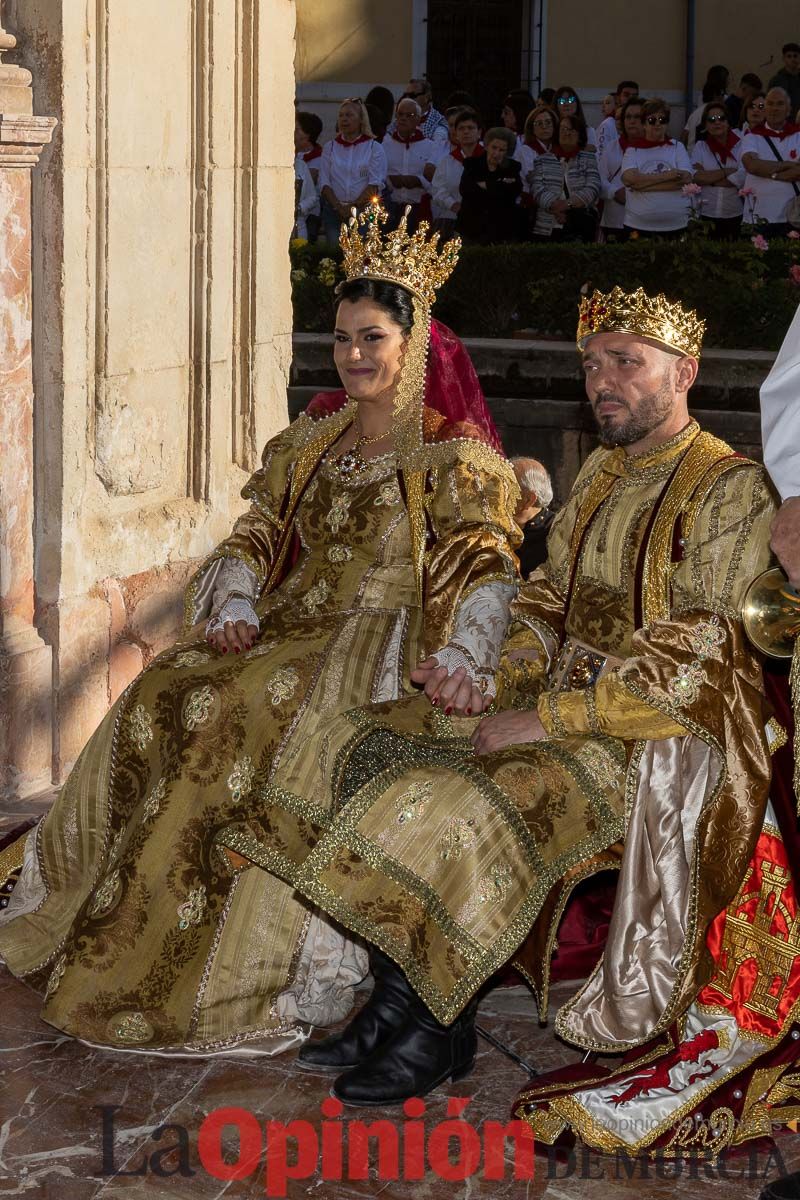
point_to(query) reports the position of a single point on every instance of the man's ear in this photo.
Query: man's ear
(686, 370)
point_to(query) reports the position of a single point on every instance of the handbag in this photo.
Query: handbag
(793, 210)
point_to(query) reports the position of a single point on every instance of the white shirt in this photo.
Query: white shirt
(348, 167)
(408, 158)
(691, 125)
(718, 202)
(654, 211)
(609, 162)
(525, 155)
(606, 132)
(446, 187)
(308, 200)
(780, 415)
(772, 196)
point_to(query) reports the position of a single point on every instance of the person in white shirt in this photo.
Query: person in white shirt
(654, 172)
(411, 160)
(610, 164)
(780, 430)
(352, 168)
(306, 199)
(567, 103)
(715, 88)
(753, 114)
(446, 183)
(307, 128)
(608, 129)
(771, 157)
(716, 160)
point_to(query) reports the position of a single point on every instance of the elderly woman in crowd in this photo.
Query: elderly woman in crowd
(490, 190)
(655, 171)
(567, 103)
(610, 166)
(352, 168)
(566, 187)
(717, 163)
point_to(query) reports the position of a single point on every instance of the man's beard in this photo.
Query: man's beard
(652, 411)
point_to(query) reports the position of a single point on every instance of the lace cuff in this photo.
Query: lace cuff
(478, 634)
(235, 592)
(234, 609)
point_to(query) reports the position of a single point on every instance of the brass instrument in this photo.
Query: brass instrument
(771, 614)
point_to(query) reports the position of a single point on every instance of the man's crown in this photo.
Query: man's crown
(655, 317)
(413, 261)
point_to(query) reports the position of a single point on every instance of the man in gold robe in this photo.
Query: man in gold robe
(632, 732)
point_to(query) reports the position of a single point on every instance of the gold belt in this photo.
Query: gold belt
(580, 666)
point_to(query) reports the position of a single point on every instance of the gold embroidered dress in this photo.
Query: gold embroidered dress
(657, 762)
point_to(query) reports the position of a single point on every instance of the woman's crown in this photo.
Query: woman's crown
(412, 260)
(653, 317)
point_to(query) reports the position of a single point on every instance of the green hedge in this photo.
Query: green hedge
(747, 296)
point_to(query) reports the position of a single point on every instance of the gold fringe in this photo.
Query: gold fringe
(11, 858)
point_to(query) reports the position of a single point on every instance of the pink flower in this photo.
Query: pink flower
(794, 233)
(794, 275)
(746, 192)
(760, 242)
(691, 189)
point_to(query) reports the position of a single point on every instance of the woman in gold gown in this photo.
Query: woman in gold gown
(380, 530)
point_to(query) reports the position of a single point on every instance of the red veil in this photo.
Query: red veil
(452, 388)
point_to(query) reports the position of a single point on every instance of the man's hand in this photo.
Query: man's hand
(785, 538)
(507, 729)
(454, 693)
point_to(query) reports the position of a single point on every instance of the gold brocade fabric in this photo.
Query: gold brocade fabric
(445, 860)
(143, 936)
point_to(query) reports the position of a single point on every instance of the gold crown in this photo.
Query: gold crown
(646, 316)
(414, 261)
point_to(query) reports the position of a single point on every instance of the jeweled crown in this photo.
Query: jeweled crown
(415, 261)
(655, 317)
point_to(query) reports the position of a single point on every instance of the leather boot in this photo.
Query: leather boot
(785, 1188)
(382, 1014)
(419, 1056)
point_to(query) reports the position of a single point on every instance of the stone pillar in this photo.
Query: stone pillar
(25, 659)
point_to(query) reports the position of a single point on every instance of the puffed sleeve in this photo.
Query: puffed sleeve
(472, 534)
(249, 550)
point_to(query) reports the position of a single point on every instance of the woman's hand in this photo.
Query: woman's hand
(234, 627)
(507, 729)
(454, 693)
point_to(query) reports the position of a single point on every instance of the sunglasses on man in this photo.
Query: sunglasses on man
(656, 121)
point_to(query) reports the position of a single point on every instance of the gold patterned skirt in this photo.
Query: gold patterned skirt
(441, 858)
(128, 915)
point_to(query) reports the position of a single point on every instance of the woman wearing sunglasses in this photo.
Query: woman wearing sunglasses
(754, 113)
(655, 169)
(567, 103)
(716, 159)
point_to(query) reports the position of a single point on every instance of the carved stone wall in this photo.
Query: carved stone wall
(161, 316)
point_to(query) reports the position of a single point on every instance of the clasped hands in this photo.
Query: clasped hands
(457, 694)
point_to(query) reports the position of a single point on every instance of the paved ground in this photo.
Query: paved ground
(56, 1095)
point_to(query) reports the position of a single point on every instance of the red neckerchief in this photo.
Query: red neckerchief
(361, 138)
(417, 136)
(313, 153)
(643, 144)
(536, 145)
(724, 151)
(458, 153)
(778, 134)
(624, 143)
(565, 154)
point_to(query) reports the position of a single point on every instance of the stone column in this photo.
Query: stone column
(25, 660)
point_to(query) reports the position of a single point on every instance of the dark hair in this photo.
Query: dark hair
(579, 125)
(547, 95)
(396, 302)
(382, 99)
(460, 99)
(714, 86)
(788, 47)
(377, 120)
(537, 112)
(521, 103)
(570, 91)
(627, 83)
(631, 102)
(467, 114)
(702, 131)
(750, 79)
(310, 124)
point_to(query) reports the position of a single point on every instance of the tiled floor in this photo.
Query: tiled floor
(55, 1094)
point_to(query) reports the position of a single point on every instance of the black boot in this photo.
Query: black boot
(785, 1188)
(416, 1059)
(383, 1013)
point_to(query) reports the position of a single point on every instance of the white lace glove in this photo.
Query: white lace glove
(235, 594)
(234, 609)
(479, 632)
(451, 657)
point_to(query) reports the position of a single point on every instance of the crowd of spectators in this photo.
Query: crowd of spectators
(542, 173)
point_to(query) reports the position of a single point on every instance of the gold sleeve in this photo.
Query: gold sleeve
(470, 512)
(607, 708)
